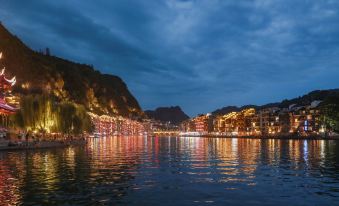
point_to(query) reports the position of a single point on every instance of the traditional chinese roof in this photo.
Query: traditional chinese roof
(4, 82)
(5, 108)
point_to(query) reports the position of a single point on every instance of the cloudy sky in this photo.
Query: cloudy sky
(200, 55)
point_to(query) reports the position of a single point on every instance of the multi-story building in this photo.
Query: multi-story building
(269, 121)
(231, 124)
(203, 123)
(187, 126)
(301, 120)
(305, 120)
(255, 125)
(219, 124)
(284, 121)
(116, 125)
(235, 123)
(244, 120)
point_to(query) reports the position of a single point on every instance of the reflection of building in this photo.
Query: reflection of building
(303, 120)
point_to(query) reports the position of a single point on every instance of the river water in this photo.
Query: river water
(174, 171)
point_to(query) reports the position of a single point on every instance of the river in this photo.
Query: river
(174, 171)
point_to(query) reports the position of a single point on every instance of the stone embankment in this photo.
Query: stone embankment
(8, 145)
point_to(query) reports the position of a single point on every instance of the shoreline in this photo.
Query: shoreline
(43, 145)
(292, 137)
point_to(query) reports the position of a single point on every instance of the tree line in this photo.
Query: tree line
(329, 109)
(43, 113)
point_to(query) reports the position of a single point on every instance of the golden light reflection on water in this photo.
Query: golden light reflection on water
(9, 192)
(107, 168)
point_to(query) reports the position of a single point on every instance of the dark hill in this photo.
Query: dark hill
(303, 100)
(41, 73)
(168, 114)
(229, 109)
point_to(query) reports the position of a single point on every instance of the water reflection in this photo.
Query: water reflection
(173, 170)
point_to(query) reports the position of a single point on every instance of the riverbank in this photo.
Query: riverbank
(6, 146)
(287, 137)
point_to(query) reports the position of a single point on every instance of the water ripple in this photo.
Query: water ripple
(173, 170)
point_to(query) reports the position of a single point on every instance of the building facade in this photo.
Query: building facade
(5, 89)
(274, 121)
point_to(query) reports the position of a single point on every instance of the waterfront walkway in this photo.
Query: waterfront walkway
(8, 145)
(315, 137)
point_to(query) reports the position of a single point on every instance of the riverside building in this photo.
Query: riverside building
(5, 89)
(105, 125)
(274, 121)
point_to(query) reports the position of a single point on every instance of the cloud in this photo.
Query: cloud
(200, 54)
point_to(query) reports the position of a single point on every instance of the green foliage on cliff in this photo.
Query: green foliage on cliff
(39, 73)
(330, 113)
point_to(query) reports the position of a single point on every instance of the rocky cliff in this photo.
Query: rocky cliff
(39, 72)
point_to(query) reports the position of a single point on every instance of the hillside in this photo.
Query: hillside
(302, 100)
(41, 73)
(168, 114)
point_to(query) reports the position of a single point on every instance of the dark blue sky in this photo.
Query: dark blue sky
(201, 55)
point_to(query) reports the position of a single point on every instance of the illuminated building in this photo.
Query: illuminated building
(187, 126)
(231, 123)
(202, 124)
(274, 121)
(219, 124)
(305, 119)
(269, 121)
(5, 88)
(236, 123)
(244, 121)
(284, 121)
(255, 125)
(115, 125)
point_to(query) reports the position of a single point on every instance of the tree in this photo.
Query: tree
(330, 113)
(66, 116)
(74, 119)
(85, 123)
(27, 112)
(42, 113)
(17, 120)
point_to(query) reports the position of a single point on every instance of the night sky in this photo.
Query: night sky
(200, 55)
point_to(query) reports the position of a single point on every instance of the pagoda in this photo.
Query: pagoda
(5, 87)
